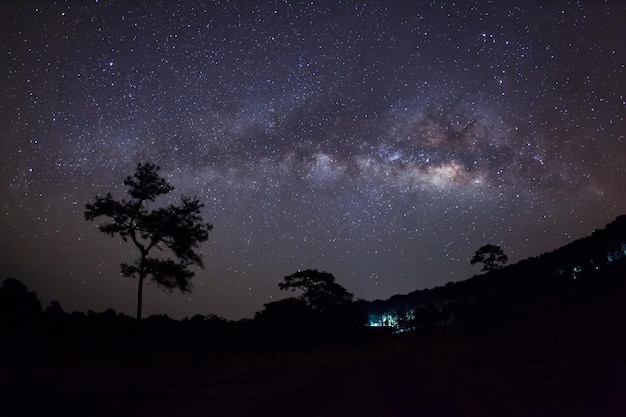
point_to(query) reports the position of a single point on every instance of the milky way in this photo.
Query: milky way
(383, 142)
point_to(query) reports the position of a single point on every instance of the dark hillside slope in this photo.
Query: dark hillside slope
(558, 354)
(586, 259)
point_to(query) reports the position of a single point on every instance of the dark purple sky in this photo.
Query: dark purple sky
(383, 142)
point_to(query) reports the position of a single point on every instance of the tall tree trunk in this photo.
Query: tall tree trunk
(142, 275)
(139, 297)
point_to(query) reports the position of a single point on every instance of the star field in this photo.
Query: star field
(383, 142)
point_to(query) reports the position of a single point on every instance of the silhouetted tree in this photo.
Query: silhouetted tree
(320, 292)
(178, 228)
(55, 308)
(288, 311)
(55, 312)
(491, 256)
(18, 306)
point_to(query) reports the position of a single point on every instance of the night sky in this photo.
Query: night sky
(383, 142)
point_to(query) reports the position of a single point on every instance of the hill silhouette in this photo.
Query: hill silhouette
(543, 337)
(586, 258)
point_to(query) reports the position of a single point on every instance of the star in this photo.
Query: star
(381, 144)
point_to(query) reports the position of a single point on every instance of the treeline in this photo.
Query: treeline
(284, 325)
(325, 312)
(484, 298)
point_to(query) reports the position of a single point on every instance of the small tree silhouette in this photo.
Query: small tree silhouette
(178, 228)
(319, 290)
(491, 256)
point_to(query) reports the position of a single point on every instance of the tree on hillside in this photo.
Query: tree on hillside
(177, 229)
(491, 256)
(320, 292)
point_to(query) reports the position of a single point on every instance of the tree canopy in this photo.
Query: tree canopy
(18, 305)
(176, 231)
(491, 256)
(319, 290)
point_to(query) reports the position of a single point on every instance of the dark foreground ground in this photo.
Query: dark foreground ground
(556, 356)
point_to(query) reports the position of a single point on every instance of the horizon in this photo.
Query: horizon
(382, 143)
(482, 272)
